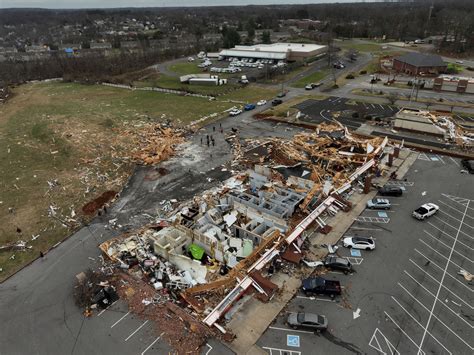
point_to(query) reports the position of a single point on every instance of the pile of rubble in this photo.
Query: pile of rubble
(154, 143)
(207, 252)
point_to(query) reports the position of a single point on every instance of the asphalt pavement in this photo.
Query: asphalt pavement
(406, 296)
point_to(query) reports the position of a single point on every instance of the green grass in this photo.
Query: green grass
(56, 131)
(185, 68)
(361, 47)
(312, 78)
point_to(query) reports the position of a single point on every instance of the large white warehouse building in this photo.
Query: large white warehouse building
(290, 52)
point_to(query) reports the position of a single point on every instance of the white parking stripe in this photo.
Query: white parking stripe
(437, 252)
(441, 159)
(467, 235)
(401, 329)
(444, 203)
(315, 299)
(455, 162)
(136, 330)
(381, 106)
(416, 321)
(439, 267)
(117, 322)
(433, 295)
(447, 246)
(154, 341)
(437, 318)
(463, 224)
(101, 312)
(446, 288)
(450, 236)
(372, 106)
(291, 330)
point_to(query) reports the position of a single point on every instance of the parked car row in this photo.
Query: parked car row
(230, 70)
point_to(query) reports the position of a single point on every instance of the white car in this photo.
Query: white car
(359, 243)
(235, 112)
(261, 102)
(426, 210)
(379, 204)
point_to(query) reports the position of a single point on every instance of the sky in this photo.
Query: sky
(76, 4)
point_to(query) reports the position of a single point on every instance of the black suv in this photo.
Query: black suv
(468, 165)
(391, 191)
(337, 263)
(276, 102)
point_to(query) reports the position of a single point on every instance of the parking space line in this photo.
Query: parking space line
(437, 252)
(210, 348)
(449, 235)
(416, 321)
(315, 299)
(100, 313)
(467, 235)
(136, 330)
(436, 317)
(446, 288)
(433, 295)
(154, 341)
(117, 322)
(442, 279)
(401, 329)
(291, 330)
(375, 338)
(464, 223)
(455, 162)
(439, 267)
(444, 203)
(381, 107)
(447, 246)
(367, 229)
(460, 200)
(441, 159)
(282, 351)
(373, 106)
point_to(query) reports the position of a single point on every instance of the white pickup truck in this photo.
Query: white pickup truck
(426, 210)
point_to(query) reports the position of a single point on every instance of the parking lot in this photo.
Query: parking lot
(318, 111)
(406, 296)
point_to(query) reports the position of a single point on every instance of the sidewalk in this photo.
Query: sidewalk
(249, 323)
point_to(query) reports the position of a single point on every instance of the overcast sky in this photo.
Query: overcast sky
(75, 4)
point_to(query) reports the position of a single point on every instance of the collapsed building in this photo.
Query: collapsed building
(212, 249)
(434, 123)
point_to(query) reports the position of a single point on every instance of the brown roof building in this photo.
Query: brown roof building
(417, 63)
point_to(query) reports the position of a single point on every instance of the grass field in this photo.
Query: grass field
(185, 68)
(312, 78)
(361, 47)
(74, 134)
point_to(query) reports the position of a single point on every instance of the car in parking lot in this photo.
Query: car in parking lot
(337, 263)
(359, 243)
(261, 102)
(276, 102)
(379, 204)
(321, 286)
(249, 107)
(281, 94)
(235, 112)
(390, 191)
(306, 320)
(425, 211)
(468, 165)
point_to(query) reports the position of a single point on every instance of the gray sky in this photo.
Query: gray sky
(75, 4)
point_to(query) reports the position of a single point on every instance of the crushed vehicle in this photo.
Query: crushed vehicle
(320, 286)
(425, 211)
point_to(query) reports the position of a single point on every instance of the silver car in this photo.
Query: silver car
(312, 321)
(379, 203)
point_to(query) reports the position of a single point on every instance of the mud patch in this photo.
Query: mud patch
(91, 207)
